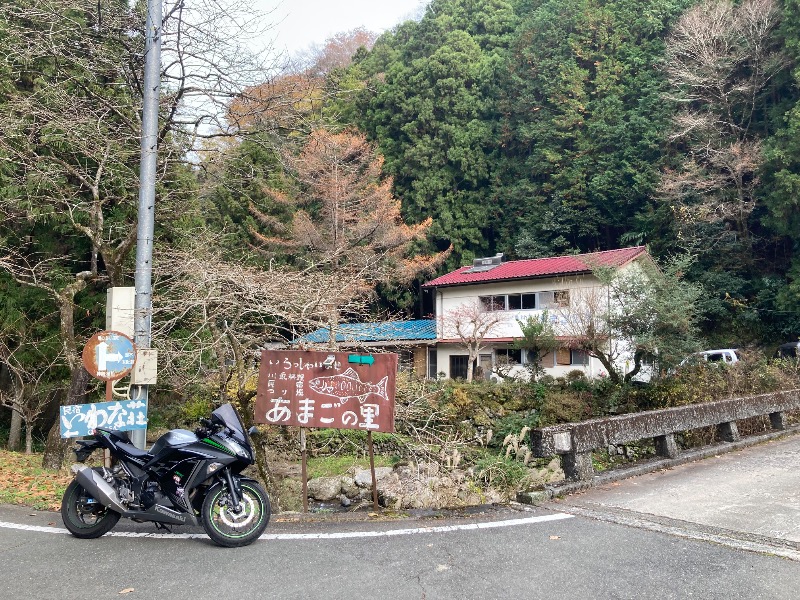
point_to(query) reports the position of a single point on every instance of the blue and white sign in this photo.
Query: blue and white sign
(109, 355)
(78, 420)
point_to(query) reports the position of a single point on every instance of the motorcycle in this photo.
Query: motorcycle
(186, 478)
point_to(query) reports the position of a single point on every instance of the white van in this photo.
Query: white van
(724, 356)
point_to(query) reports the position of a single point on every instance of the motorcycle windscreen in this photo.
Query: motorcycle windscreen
(226, 415)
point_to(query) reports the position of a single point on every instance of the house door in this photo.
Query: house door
(486, 365)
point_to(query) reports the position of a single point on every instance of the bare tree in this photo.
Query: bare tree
(70, 128)
(345, 217)
(470, 323)
(213, 318)
(720, 60)
(293, 99)
(337, 51)
(25, 360)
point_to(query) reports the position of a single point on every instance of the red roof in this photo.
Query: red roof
(541, 267)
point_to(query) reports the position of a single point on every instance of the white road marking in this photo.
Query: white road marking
(317, 536)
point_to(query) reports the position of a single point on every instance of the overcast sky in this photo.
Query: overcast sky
(301, 23)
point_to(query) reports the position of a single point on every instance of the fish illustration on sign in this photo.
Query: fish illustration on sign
(348, 385)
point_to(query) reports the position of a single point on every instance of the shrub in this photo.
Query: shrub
(501, 473)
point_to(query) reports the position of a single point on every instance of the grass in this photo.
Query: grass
(24, 481)
(331, 466)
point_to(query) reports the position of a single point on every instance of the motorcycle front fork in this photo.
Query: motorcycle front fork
(233, 491)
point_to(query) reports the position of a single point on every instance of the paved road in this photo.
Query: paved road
(726, 527)
(749, 498)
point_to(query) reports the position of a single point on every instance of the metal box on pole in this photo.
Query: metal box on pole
(120, 309)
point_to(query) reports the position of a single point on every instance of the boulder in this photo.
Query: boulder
(363, 477)
(349, 487)
(325, 488)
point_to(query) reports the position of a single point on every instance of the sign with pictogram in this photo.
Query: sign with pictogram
(326, 389)
(109, 355)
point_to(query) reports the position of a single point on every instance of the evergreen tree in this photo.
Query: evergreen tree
(583, 121)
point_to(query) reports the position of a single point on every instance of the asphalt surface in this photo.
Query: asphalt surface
(726, 527)
(751, 496)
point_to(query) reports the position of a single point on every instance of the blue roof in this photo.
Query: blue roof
(388, 331)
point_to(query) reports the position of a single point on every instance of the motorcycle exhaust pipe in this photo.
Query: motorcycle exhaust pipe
(98, 488)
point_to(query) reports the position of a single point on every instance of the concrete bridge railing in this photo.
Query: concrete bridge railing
(574, 442)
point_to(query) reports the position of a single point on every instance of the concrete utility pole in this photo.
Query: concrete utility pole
(143, 307)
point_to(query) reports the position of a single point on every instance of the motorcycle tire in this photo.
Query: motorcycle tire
(83, 516)
(228, 528)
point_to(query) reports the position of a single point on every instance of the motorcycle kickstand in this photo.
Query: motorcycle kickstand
(161, 526)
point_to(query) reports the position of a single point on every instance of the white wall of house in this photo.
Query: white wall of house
(451, 298)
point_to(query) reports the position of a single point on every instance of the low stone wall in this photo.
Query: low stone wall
(574, 442)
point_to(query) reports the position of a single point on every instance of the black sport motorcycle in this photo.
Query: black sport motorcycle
(185, 478)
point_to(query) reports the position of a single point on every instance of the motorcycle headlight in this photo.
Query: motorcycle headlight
(240, 451)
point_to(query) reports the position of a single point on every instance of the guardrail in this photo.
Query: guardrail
(574, 442)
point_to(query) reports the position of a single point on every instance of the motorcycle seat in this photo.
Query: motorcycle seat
(132, 450)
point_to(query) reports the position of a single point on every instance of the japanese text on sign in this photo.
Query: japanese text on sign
(81, 419)
(304, 389)
(109, 355)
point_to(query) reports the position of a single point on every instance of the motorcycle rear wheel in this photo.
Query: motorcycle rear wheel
(229, 528)
(83, 516)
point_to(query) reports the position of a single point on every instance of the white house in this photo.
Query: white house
(495, 295)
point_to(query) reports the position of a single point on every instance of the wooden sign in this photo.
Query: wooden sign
(339, 390)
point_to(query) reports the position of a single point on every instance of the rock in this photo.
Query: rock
(390, 482)
(555, 464)
(345, 501)
(425, 498)
(325, 488)
(431, 469)
(405, 472)
(537, 480)
(363, 477)
(349, 487)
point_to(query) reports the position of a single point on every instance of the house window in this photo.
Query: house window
(579, 357)
(567, 356)
(405, 360)
(563, 356)
(433, 369)
(529, 301)
(458, 366)
(509, 302)
(561, 298)
(508, 356)
(493, 303)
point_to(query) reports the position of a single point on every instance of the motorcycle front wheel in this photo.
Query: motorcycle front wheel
(232, 526)
(83, 516)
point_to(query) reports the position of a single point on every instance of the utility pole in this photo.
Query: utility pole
(143, 306)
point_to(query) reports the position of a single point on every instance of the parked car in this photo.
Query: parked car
(723, 356)
(787, 350)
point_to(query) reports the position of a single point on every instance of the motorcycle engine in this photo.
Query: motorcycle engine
(126, 496)
(149, 494)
